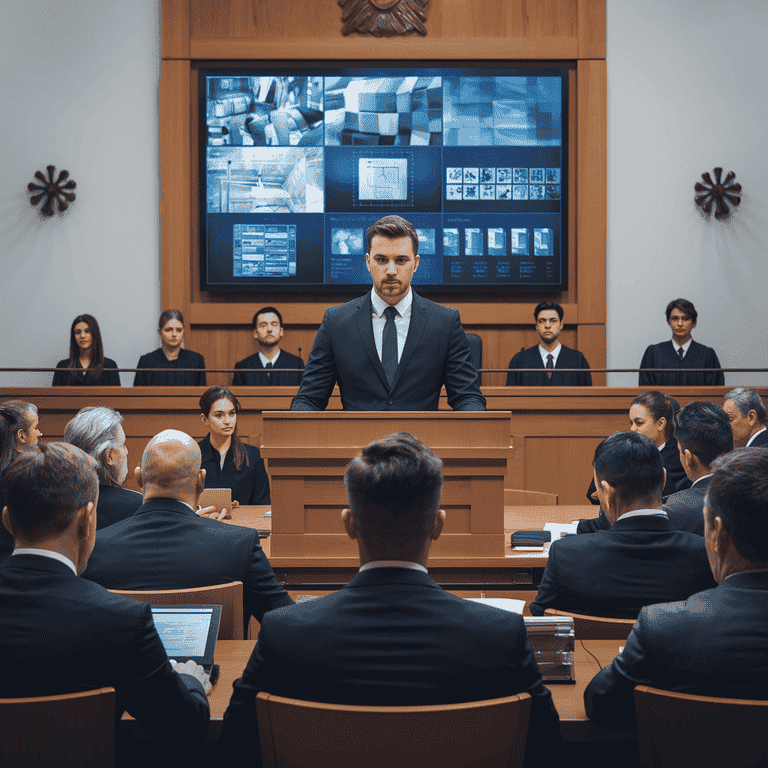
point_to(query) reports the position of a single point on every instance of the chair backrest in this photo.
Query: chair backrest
(476, 350)
(228, 596)
(70, 729)
(515, 498)
(686, 731)
(305, 734)
(596, 627)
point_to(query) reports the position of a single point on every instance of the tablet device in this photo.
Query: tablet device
(188, 632)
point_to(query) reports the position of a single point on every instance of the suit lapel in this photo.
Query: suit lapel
(364, 322)
(415, 331)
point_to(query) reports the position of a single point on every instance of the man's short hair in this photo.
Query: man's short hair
(46, 485)
(746, 399)
(394, 488)
(392, 227)
(541, 306)
(685, 306)
(94, 430)
(266, 311)
(738, 495)
(703, 429)
(632, 464)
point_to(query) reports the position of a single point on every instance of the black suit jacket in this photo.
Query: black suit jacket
(63, 634)
(390, 637)
(531, 358)
(685, 508)
(250, 372)
(165, 545)
(715, 643)
(115, 504)
(761, 440)
(614, 573)
(436, 353)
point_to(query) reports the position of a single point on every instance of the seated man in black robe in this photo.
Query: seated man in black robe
(681, 353)
(550, 355)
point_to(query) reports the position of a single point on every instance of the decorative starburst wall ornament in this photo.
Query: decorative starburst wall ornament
(717, 192)
(383, 18)
(52, 191)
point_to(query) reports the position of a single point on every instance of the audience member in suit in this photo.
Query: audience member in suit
(391, 350)
(746, 413)
(98, 431)
(19, 430)
(641, 559)
(703, 433)
(392, 636)
(549, 353)
(270, 366)
(651, 414)
(165, 545)
(715, 643)
(228, 461)
(86, 364)
(681, 353)
(171, 357)
(63, 634)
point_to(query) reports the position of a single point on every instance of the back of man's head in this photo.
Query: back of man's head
(703, 429)
(45, 486)
(394, 488)
(170, 465)
(632, 465)
(738, 495)
(94, 430)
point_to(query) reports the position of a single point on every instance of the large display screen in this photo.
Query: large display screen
(296, 162)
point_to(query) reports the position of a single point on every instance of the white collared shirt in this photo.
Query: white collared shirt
(393, 564)
(643, 513)
(264, 359)
(662, 445)
(749, 442)
(701, 478)
(685, 347)
(555, 352)
(402, 322)
(46, 553)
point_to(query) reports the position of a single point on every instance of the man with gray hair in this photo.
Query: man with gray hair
(98, 431)
(746, 413)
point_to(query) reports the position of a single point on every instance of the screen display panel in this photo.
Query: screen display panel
(296, 162)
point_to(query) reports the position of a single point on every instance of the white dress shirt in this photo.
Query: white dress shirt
(685, 347)
(264, 359)
(402, 322)
(393, 564)
(46, 553)
(749, 442)
(555, 352)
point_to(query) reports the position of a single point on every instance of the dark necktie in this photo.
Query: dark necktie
(268, 368)
(550, 365)
(389, 345)
(680, 352)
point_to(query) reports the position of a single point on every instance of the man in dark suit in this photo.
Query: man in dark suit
(270, 366)
(392, 636)
(715, 643)
(746, 413)
(682, 353)
(63, 634)
(703, 433)
(165, 545)
(98, 431)
(391, 350)
(550, 355)
(641, 559)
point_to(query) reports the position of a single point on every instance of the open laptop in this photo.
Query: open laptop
(188, 632)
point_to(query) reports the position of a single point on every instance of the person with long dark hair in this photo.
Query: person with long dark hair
(86, 363)
(227, 460)
(171, 357)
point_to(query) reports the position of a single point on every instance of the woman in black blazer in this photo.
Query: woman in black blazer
(86, 363)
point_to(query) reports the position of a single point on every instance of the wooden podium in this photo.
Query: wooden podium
(308, 453)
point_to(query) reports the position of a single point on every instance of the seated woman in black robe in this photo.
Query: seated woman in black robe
(171, 357)
(86, 363)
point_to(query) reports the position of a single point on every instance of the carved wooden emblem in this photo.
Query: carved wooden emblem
(52, 191)
(384, 18)
(717, 192)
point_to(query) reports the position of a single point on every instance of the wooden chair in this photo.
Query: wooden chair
(305, 734)
(515, 498)
(228, 596)
(596, 627)
(686, 731)
(70, 729)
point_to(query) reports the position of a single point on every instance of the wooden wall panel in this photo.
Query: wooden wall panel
(174, 29)
(592, 29)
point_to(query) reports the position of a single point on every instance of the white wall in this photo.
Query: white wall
(79, 90)
(687, 90)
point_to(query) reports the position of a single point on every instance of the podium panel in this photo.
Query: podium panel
(309, 451)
